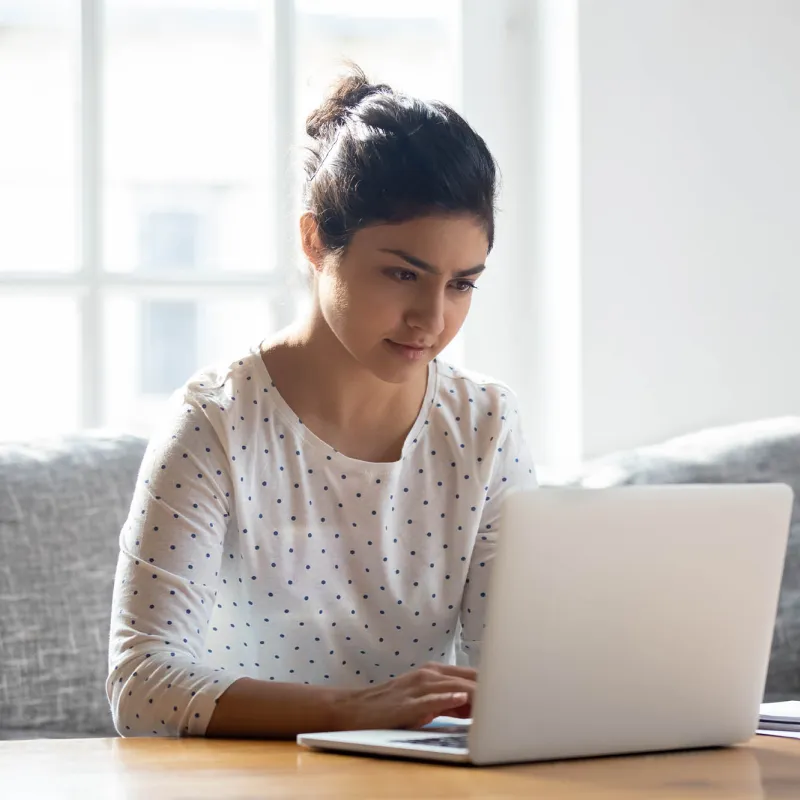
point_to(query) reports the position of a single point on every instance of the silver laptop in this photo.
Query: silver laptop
(623, 620)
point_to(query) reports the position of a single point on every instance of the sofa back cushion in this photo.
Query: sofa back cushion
(62, 505)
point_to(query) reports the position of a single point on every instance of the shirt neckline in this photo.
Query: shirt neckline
(291, 420)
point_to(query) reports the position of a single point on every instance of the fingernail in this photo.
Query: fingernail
(460, 697)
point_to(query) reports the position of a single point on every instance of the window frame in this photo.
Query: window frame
(89, 284)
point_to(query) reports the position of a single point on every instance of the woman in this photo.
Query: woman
(309, 542)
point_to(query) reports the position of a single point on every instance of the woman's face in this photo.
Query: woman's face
(400, 293)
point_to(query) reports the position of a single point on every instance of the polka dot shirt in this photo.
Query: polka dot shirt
(252, 548)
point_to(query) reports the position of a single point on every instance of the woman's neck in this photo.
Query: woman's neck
(340, 400)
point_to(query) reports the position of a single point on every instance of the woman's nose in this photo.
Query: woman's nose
(427, 313)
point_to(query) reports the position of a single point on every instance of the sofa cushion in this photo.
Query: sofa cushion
(62, 505)
(13, 734)
(758, 452)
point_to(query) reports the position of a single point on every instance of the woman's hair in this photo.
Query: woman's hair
(380, 156)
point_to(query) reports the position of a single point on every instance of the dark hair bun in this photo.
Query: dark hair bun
(377, 156)
(345, 95)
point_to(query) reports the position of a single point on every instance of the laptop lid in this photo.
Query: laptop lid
(629, 619)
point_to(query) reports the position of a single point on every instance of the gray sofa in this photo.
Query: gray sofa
(62, 504)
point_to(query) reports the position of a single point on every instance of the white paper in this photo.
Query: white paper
(783, 716)
(785, 734)
(788, 711)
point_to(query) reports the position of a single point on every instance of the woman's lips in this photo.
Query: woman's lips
(408, 351)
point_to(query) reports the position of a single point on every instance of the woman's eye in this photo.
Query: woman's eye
(404, 274)
(464, 286)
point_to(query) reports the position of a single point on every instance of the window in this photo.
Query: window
(168, 340)
(39, 83)
(170, 239)
(168, 344)
(149, 182)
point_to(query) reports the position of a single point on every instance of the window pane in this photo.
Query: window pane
(38, 125)
(167, 241)
(154, 344)
(168, 337)
(41, 338)
(188, 144)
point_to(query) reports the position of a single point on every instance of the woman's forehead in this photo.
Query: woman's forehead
(431, 238)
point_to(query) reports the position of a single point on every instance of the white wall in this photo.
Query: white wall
(519, 89)
(496, 71)
(690, 215)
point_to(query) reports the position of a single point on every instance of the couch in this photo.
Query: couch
(63, 502)
(62, 505)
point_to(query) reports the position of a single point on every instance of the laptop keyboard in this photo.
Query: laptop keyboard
(456, 740)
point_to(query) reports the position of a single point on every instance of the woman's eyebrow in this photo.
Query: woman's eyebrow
(426, 267)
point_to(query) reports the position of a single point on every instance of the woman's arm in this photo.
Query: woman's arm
(166, 582)
(252, 708)
(512, 469)
(262, 709)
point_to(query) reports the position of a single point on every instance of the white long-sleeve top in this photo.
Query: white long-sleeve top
(252, 548)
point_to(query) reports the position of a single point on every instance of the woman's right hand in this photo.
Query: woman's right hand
(411, 700)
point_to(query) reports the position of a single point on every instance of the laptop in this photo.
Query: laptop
(620, 620)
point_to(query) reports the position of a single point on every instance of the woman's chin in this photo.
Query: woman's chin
(391, 369)
(392, 373)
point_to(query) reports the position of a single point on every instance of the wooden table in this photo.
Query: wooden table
(766, 767)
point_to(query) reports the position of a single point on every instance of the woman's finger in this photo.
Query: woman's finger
(444, 684)
(436, 705)
(456, 671)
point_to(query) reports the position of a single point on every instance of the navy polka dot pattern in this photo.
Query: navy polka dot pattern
(252, 548)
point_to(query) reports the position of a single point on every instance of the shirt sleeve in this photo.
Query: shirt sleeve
(513, 469)
(166, 582)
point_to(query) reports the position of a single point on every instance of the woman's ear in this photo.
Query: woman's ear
(312, 245)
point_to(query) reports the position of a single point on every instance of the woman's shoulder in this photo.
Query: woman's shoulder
(465, 386)
(223, 381)
(214, 391)
(473, 404)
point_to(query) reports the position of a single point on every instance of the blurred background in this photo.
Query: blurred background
(646, 271)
